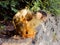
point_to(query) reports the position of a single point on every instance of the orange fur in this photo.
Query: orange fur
(21, 23)
(25, 22)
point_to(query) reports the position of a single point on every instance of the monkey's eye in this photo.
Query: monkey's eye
(29, 17)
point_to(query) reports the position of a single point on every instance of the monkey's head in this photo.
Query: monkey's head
(41, 15)
(21, 21)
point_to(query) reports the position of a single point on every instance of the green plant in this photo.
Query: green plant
(52, 6)
(8, 8)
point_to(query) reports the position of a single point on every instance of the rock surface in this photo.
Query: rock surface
(49, 31)
(48, 34)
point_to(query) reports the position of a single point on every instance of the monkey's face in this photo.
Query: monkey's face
(40, 16)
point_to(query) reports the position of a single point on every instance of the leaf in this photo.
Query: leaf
(15, 10)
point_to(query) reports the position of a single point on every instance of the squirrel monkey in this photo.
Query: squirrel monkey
(25, 21)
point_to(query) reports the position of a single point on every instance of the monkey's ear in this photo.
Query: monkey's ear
(14, 24)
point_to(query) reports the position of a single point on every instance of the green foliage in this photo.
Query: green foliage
(6, 9)
(9, 7)
(55, 6)
(7, 3)
(52, 6)
(2, 27)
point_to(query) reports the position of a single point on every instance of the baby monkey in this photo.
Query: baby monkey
(41, 15)
(24, 22)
